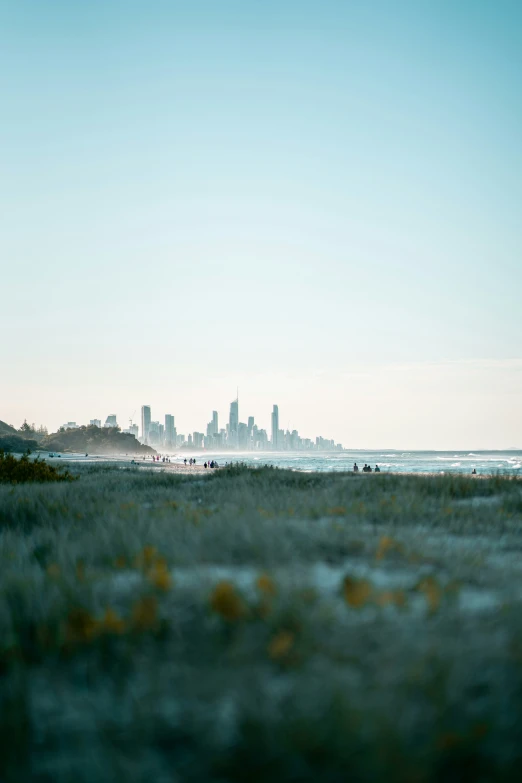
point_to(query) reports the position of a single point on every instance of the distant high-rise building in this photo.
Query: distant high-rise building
(242, 435)
(110, 421)
(154, 433)
(275, 427)
(170, 432)
(145, 423)
(234, 417)
(212, 427)
(95, 423)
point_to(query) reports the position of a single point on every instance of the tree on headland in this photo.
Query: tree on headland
(95, 440)
(31, 431)
(28, 429)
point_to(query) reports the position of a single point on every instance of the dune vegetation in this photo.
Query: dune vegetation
(254, 625)
(25, 470)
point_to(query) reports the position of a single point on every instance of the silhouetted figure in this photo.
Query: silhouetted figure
(355, 467)
(377, 469)
(185, 460)
(473, 472)
(205, 465)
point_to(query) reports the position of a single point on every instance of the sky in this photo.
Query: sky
(316, 202)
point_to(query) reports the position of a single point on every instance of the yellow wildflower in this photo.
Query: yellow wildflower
(266, 585)
(53, 571)
(226, 602)
(159, 575)
(388, 544)
(432, 592)
(149, 554)
(281, 644)
(145, 613)
(146, 557)
(120, 562)
(356, 592)
(112, 622)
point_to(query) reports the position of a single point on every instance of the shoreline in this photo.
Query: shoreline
(128, 461)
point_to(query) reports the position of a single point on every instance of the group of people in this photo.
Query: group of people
(211, 464)
(190, 462)
(366, 469)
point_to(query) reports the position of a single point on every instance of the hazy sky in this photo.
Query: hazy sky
(319, 202)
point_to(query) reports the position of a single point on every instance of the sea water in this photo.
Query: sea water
(389, 460)
(484, 462)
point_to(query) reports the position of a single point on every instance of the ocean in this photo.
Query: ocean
(388, 460)
(484, 462)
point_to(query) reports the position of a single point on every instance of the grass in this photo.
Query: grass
(260, 624)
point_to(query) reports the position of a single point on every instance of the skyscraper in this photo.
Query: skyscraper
(110, 421)
(145, 423)
(215, 428)
(170, 431)
(234, 416)
(275, 427)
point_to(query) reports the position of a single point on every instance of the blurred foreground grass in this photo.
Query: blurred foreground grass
(254, 625)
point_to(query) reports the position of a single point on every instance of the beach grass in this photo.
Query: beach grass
(255, 624)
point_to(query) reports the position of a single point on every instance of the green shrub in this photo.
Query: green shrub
(18, 471)
(16, 443)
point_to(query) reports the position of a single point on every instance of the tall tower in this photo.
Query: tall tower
(275, 427)
(169, 431)
(234, 416)
(215, 428)
(145, 423)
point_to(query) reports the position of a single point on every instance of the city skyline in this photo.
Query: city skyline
(236, 435)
